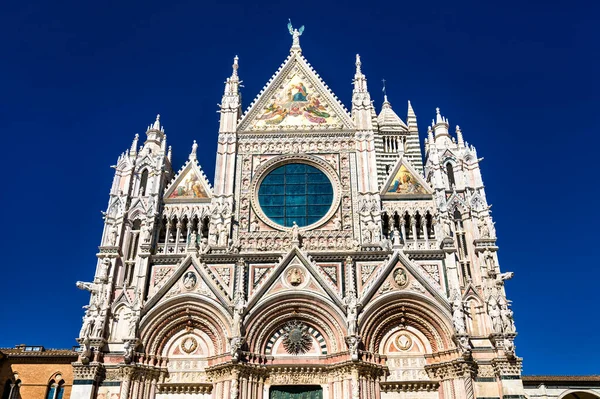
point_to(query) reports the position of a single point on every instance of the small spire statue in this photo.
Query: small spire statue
(296, 33)
(194, 149)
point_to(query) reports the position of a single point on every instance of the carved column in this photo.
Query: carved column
(126, 385)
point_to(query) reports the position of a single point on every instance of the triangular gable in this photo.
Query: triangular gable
(404, 181)
(295, 99)
(190, 185)
(391, 279)
(189, 277)
(295, 256)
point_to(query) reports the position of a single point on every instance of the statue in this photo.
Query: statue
(507, 319)
(239, 304)
(494, 313)
(132, 325)
(337, 223)
(484, 230)
(128, 349)
(88, 325)
(396, 240)
(204, 247)
(509, 347)
(235, 346)
(112, 235)
(102, 276)
(352, 312)
(353, 341)
(254, 225)
(458, 317)
(222, 233)
(86, 352)
(296, 33)
(193, 239)
(233, 246)
(295, 234)
(99, 325)
(146, 233)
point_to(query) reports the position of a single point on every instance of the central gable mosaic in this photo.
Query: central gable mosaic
(296, 104)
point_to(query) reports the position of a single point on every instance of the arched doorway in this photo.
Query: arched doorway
(580, 395)
(296, 392)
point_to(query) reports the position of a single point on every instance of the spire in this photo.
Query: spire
(360, 81)
(296, 33)
(459, 136)
(388, 120)
(440, 126)
(235, 67)
(155, 137)
(156, 125)
(232, 83)
(192, 156)
(169, 154)
(134, 145)
(411, 113)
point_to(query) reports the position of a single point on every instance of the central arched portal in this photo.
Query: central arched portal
(296, 392)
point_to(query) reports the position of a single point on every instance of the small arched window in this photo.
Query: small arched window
(55, 389)
(143, 182)
(450, 173)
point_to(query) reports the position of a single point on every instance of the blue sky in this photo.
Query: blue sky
(79, 79)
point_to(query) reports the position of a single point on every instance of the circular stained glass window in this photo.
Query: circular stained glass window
(295, 192)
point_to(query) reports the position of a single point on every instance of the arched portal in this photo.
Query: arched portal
(580, 395)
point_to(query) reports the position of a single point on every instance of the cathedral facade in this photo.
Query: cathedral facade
(331, 259)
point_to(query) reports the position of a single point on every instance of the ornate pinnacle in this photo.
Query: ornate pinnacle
(235, 67)
(358, 64)
(156, 125)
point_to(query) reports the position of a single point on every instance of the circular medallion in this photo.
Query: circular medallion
(295, 277)
(400, 277)
(403, 342)
(189, 345)
(296, 339)
(190, 280)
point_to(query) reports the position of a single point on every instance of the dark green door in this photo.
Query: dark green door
(296, 392)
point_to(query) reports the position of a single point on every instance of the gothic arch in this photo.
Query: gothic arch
(268, 317)
(187, 311)
(411, 309)
(476, 320)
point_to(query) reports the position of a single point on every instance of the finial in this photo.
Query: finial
(193, 153)
(169, 154)
(383, 90)
(296, 33)
(438, 116)
(358, 64)
(235, 66)
(157, 123)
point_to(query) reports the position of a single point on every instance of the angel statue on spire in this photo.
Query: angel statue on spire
(296, 33)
